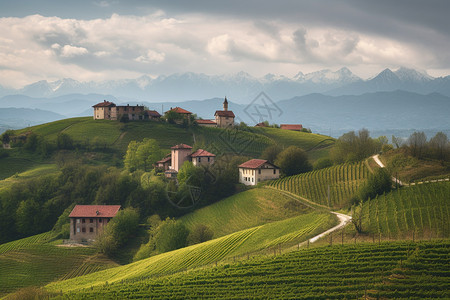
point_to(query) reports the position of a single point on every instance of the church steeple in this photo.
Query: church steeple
(225, 104)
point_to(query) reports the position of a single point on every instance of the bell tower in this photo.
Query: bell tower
(225, 104)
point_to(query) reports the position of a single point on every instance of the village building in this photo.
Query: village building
(294, 127)
(164, 164)
(87, 221)
(256, 170)
(262, 124)
(151, 115)
(181, 153)
(225, 117)
(206, 123)
(110, 111)
(184, 113)
(202, 157)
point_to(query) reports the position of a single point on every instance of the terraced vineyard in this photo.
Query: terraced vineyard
(245, 210)
(422, 209)
(26, 242)
(292, 230)
(342, 182)
(29, 262)
(401, 270)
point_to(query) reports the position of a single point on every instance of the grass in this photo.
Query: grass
(244, 210)
(34, 261)
(261, 237)
(342, 182)
(35, 171)
(400, 270)
(422, 210)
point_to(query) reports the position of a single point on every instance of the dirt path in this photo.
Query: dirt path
(344, 220)
(376, 158)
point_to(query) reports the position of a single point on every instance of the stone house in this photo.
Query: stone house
(87, 221)
(202, 157)
(256, 170)
(181, 153)
(184, 113)
(225, 117)
(110, 111)
(104, 110)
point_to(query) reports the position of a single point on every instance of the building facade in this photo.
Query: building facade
(87, 221)
(224, 118)
(202, 158)
(109, 111)
(256, 170)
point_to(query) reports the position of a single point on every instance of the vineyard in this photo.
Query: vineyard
(339, 182)
(292, 230)
(30, 262)
(244, 210)
(400, 270)
(422, 210)
(26, 242)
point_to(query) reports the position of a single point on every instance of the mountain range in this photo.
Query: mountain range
(240, 87)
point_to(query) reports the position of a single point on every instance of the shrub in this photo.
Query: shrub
(293, 160)
(171, 235)
(199, 234)
(377, 184)
(323, 163)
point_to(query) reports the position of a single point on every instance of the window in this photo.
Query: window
(91, 229)
(259, 171)
(78, 229)
(274, 171)
(253, 179)
(83, 221)
(91, 220)
(199, 159)
(83, 229)
(78, 221)
(208, 159)
(100, 220)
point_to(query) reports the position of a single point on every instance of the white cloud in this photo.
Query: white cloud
(151, 57)
(72, 51)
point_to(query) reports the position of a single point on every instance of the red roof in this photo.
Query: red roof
(164, 160)
(255, 164)
(180, 110)
(90, 211)
(153, 113)
(205, 122)
(298, 127)
(104, 104)
(202, 153)
(181, 146)
(224, 113)
(262, 124)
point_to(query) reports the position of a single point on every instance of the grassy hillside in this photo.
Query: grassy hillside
(34, 261)
(292, 230)
(245, 210)
(393, 270)
(423, 210)
(343, 181)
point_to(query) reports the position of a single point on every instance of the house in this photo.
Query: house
(151, 115)
(181, 153)
(202, 157)
(294, 127)
(206, 123)
(256, 170)
(87, 221)
(164, 164)
(262, 124)
(225, 117)
(184, 113)
(110, 111)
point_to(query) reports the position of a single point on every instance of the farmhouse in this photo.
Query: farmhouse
(256, 170)
(184, 113)
(225, 117)
(294, 127)
(181, 153)
(109, 111)
(87, 221)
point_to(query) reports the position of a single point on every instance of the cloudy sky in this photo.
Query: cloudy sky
(111, 39)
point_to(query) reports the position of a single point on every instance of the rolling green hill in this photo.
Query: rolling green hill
(402, 270)
(342, 180)
(245, 210)
(36, 261)
(291, 230)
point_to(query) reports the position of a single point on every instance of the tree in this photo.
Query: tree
(199, 234)
(351, 147)
(323, 163)
(171, 235)
(440, 145)
(271, 153)
(379, 183)
(417, 142)
(142, 155)
(118, 231)
(293, 160)
(64, 141)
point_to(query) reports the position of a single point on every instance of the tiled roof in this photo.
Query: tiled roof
(291, 126)
(181, 146)
(255, 164)
(153, 113)
(202, 153)
(224, 113)
(205, 122)
(180, 110)
(262, 124)
(104, 104)
(165, 159)
(90, 211)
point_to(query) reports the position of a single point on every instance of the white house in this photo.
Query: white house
(256, 170)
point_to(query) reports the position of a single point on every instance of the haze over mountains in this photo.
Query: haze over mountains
(326, 101)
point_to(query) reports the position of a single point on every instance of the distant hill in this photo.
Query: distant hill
(22, 117)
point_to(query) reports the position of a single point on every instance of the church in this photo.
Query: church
(225, 117)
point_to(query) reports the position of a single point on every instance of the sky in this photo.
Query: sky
(115, 39)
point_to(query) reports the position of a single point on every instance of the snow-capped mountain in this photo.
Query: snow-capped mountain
(241, 86)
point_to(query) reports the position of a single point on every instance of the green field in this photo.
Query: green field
(36, 171)
(245, 210)
(33, 261)
(423, 210)
(304, 140)
(262, 237)
(342, 180)
(400, 270)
